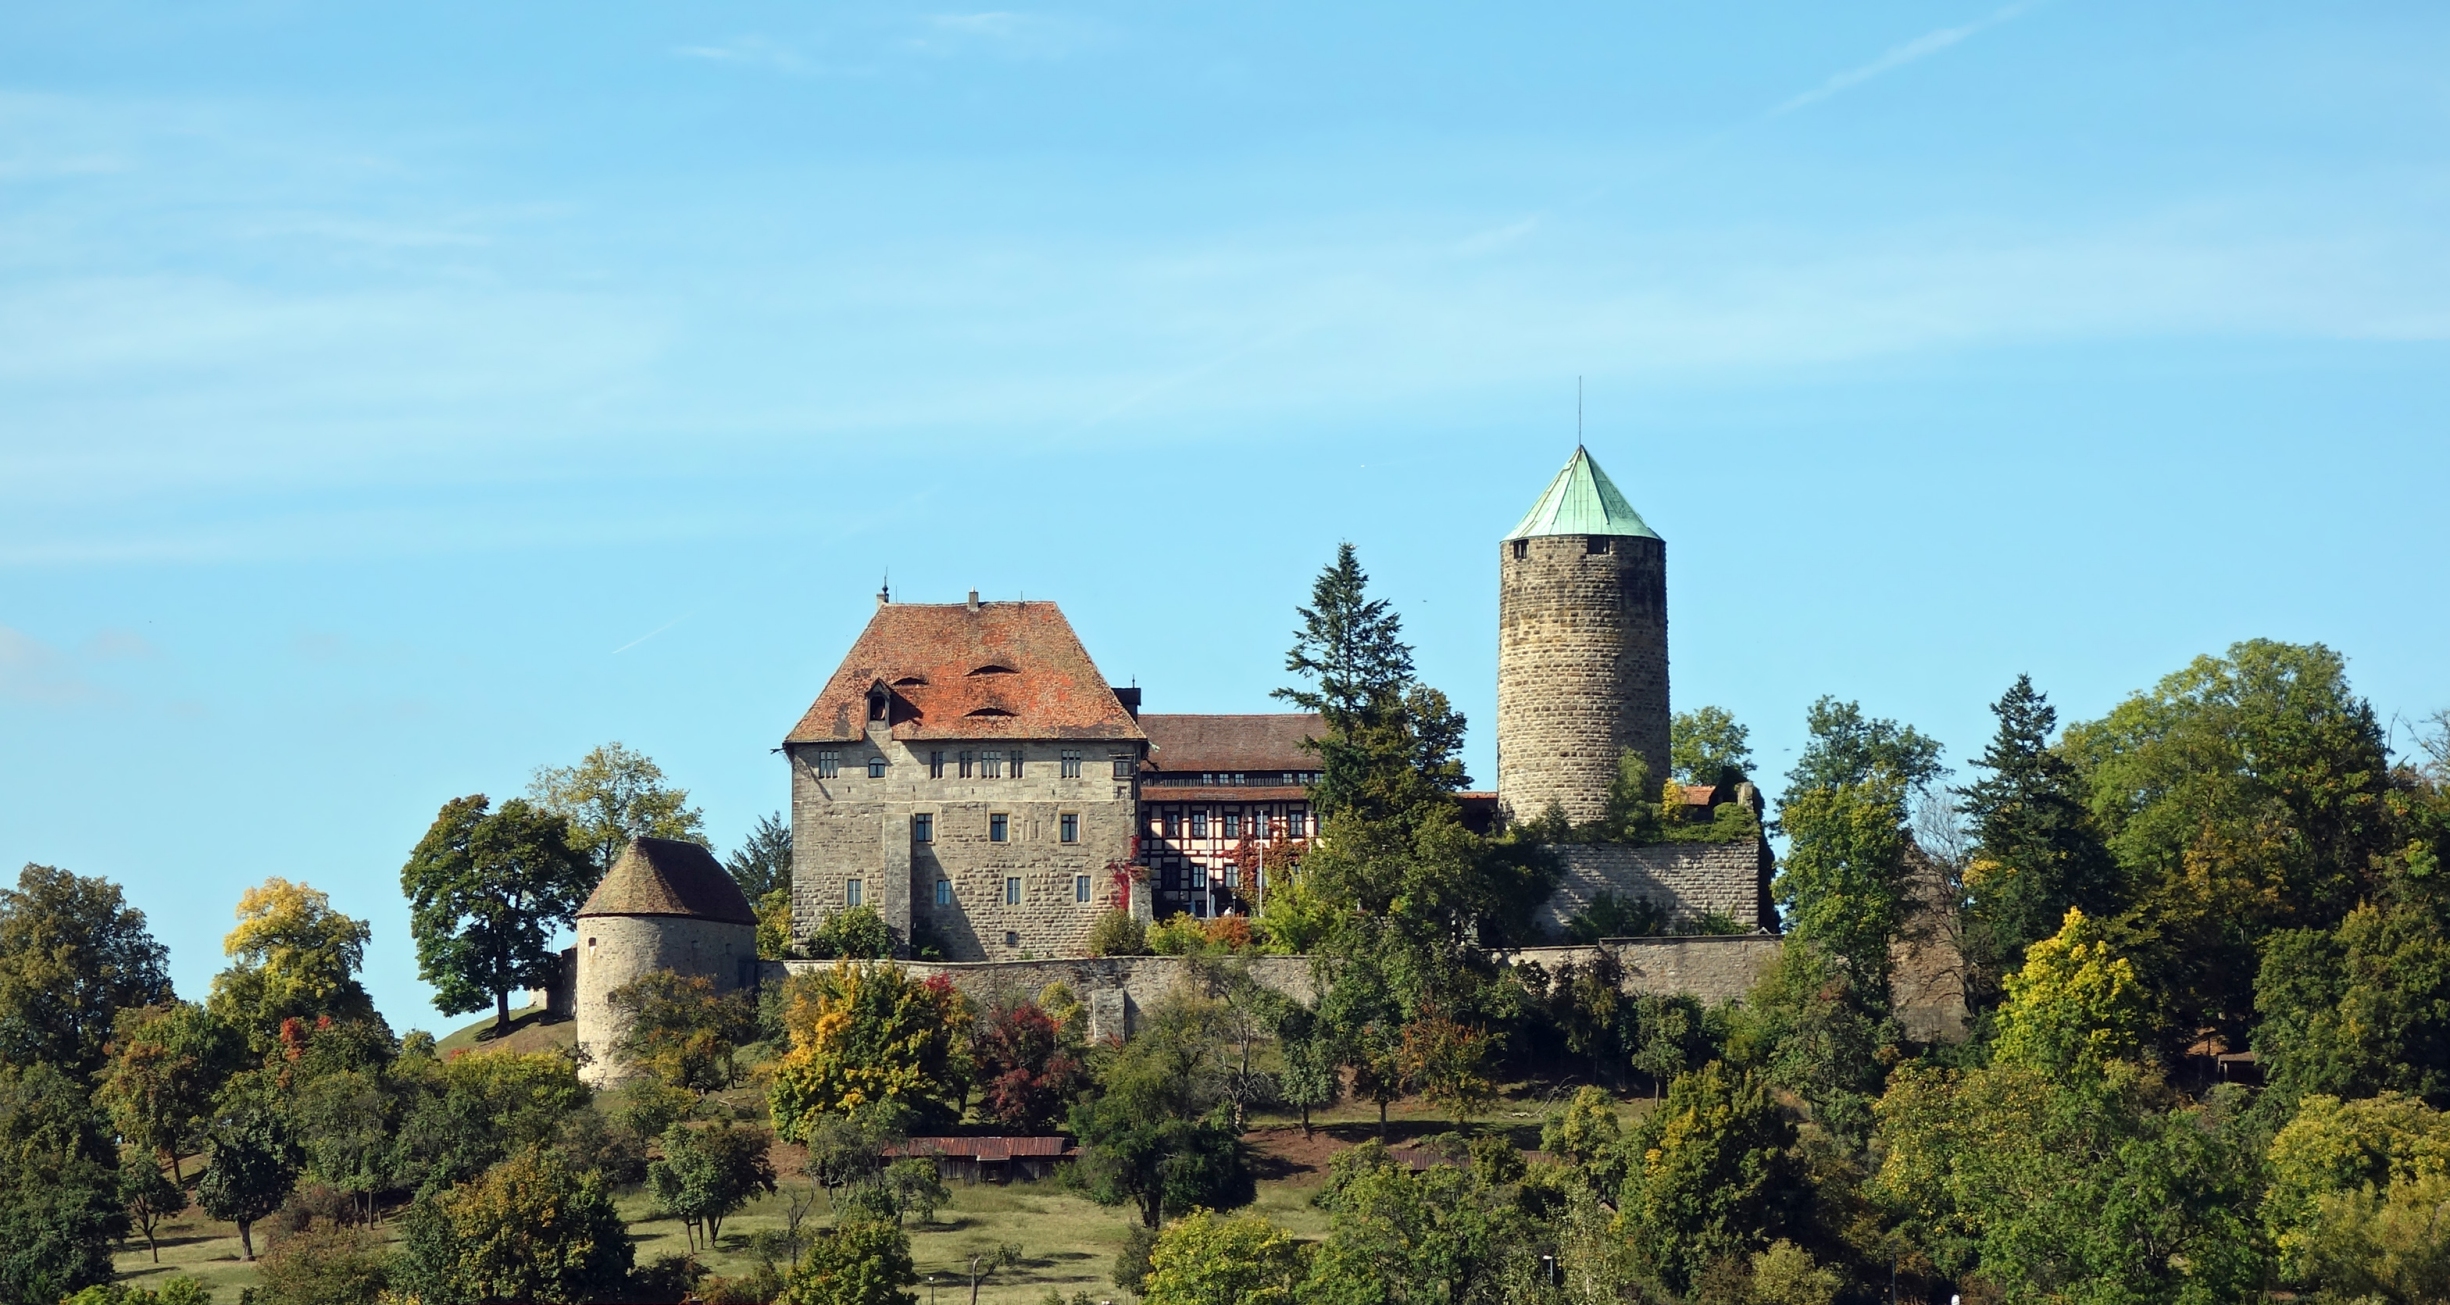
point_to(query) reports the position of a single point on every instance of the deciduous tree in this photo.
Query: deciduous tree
(679, 1029)
(59, 1193)
(1707, 746)
(613, 795)
(707, 1173)
(863, 1033)
(251, 1160)
(73, 954)
(489, 892)
(530, 1229)
(1027, 1071)
(1209, 1259)
(861, 1263)
(293, 956)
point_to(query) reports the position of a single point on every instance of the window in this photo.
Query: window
(1067, 827)
(1289, 778)
(850, 892)
(1595, 544)
(591, 944)
(1071, 763)
(1241, 778)
(878, 704)
(876, 767)
(1208, 778)
(965, 765)
(1012, 938)
(944, 892)
(1199, 908)
(935, 765)
(1012, 891)
(1016, 763)
(1173, 824)
(829, 764)
(1199, 824)
(1522, 549)
(923, 827)
(1293, 825)
(1080, 888)
(1199, 875)
(1122, 766)
(991, 765)
(999, 828)
(1233, 824)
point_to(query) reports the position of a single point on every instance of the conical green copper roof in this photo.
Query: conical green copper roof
(1582, 501)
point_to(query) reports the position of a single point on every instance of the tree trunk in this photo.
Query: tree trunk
(150, 1245)
(175, 1175)
(1382, 1119)
(246, 1238)
(1305, 1122)
(501, 1010)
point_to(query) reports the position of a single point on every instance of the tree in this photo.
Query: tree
(530, 1229)
(73, 955)
(325, 1265)
(1707, 746)
(861, 1263)
(677, 1028)
(2037, 853)
(166, 1063)
(1158, 1135)
(1715, 1177)
(1804, 1028)
(2074, 1007)
(1844, 883)
(762, 862)
(1391, 741)
(612, 796)
(1847, 748)
(916, 1187)
(2359, 1009)
(1025, 1067)
(859, 934)
(2383, 1150)
(294, 956)
(150, 1199)
(707, 1173)
(251, 1160)
(1118, 933)
(1207, 1259)
(59, 1195)
(865, 1032)
(489, 893)
(1447, 1062)
(472, 1112)
(1443, 1235)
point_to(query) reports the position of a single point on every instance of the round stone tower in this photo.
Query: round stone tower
(665, 905)
(1581, 647)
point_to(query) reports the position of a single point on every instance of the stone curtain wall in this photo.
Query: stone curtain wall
(1581, 670)
(852, 826)
(1688, 880)
(1116, 989)
(614, 949)
(1715, 969)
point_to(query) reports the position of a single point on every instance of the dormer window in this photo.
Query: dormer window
(910, 681)
(989, 712)
(880, 703)
(994, 668)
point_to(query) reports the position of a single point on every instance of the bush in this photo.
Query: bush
(177, 1291)
(1118, 933)
(862, 1263)
(1610, 916)
(858, 934)
(531, 1228)
(322, 1266)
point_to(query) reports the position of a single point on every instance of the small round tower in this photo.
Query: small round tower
(665, 905)
(1581, 647)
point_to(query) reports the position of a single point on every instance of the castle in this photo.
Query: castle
(968, 773)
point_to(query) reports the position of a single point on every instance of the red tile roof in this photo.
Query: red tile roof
(996, 671)
(1250, 744)
(986, 1148)
(1153, 792)
(665, 876)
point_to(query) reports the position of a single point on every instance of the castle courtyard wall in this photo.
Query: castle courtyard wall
(1686, 880)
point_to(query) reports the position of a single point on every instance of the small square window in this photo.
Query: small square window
(923, 827)
(991, 765)
(944, 892)
(1522, 549)
(1080, 888)
(1067, 827)
(829, 764)
(1241, 778)
(1595, 544)
(1122, 766)
(591, 944)
(965, 764)
(1199, 824)
(1012, 938)
(999, 827)
(1012, 891)
(1233, 824)
(935, 765)
(850, 892)
(1293, 825)
(1208, 777)
(876, 767)
(1071, 763)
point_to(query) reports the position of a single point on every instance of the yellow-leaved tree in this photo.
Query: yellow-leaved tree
(293, 956)
(865, 1034)
(2074, 1007)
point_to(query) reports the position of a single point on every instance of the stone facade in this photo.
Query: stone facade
(1686, 880)
(1581, 668)
(614, 949)
(1715, 969)
(959, 881)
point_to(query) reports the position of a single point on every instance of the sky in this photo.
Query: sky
(396, 399)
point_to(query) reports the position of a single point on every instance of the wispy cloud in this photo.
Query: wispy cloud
(1914, 51)
(1012, 35)
(753, 51)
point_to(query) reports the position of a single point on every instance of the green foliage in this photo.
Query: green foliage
(861, 1263)
(73, 955)
(864, 1033)
(2358, 1009)
(251, 1158)
(1445, 1234)
(165, 1065)
(1805, 1028)
(1391, 741)
(707, 1174)
(175, 1291)
(1843, 884)
(1632, 812)
(1447, 1063)
(2074, 1007)
(774, 925)
(149, 1197)
(613, 795)
(1208, 1259)
(1846, 749)
(474, 1111)
(2336, 1172)
(858, 934)
(59, 1195)
(2037, 854)
(1707, 746)
(681, 1031)
(529, 1229)
(1118, 933)
(762, 863)
(293, 957)
(1610, 916)
(1160, 1136)
(916, 1188)
(1716, 1176)
(323, 1266)
(488, 894)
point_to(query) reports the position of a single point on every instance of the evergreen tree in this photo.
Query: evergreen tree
(1392, 741)
(2037, 853)
(762, 862)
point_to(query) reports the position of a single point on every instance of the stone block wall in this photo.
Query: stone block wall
(851, 827)
(1687, 880)
(1715, 969)
(1116, 989)
(614, 949)
(1581, 669)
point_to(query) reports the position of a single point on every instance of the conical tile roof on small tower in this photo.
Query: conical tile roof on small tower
(1582, 501)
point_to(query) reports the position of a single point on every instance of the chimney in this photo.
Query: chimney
(973, 600)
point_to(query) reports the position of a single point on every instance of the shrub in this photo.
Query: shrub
(323, 1266)
(1118, 933)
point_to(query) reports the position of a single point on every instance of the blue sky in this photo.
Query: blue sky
(392, 402)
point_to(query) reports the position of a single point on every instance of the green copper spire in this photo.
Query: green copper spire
(1582, 501)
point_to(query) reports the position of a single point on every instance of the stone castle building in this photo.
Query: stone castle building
(969, 773)
(665, 905)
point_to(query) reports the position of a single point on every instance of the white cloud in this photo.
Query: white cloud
(1914, 51)
(1011, 35)
(753, 51)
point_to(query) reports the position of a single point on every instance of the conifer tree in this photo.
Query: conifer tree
(2037, 853)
